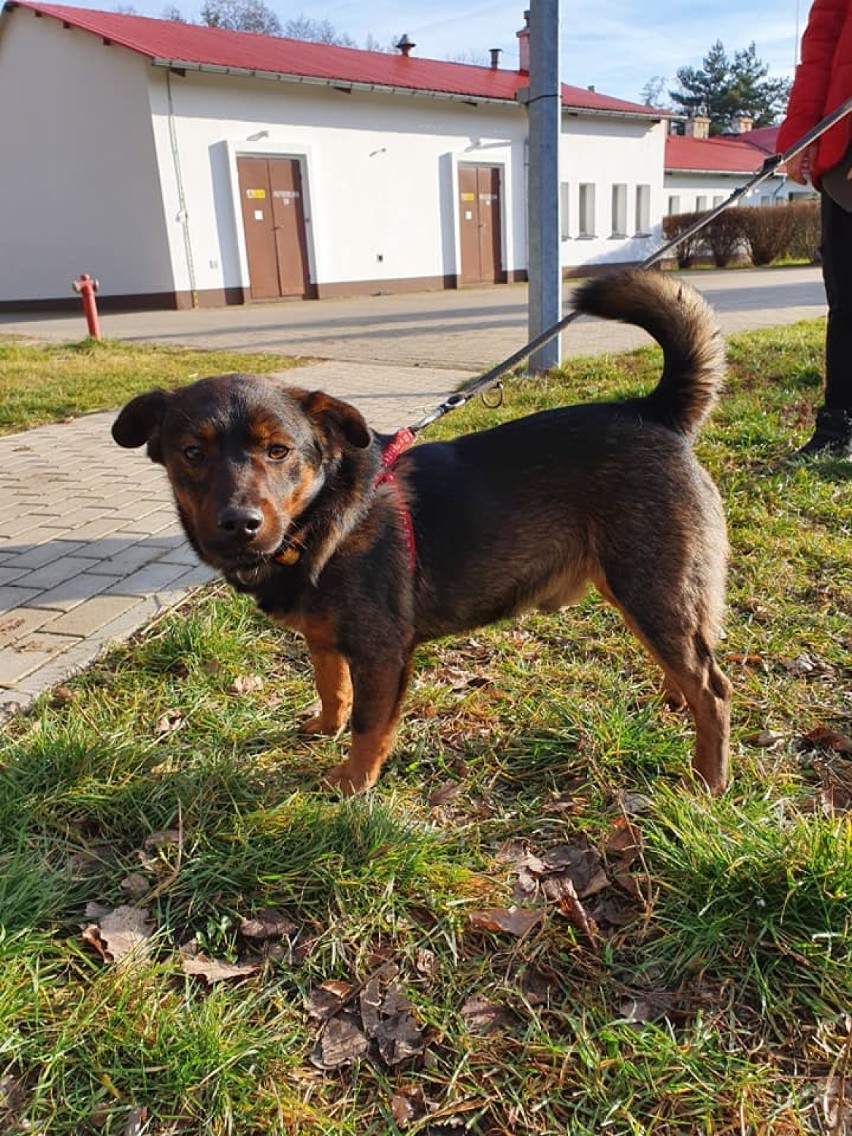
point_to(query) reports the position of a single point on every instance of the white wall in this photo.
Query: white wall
(776, 190)
(380, 174)
(607, 152)
(78, 190)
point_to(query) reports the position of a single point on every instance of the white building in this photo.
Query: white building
(185, 165)
(702, 172)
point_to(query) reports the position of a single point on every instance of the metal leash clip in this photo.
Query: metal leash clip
(498, 399)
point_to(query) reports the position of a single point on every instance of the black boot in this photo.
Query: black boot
(832, 437)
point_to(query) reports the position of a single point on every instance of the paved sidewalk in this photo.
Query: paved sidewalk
(90, 548)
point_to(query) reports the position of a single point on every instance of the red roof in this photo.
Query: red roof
(200, 46)
(714, 155)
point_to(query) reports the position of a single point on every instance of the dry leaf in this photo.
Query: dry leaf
(245, 684)
(216, 970)
(766, 739)
(161, 838)
(426, 962)
(323, 1002)
(170, 721)
(445, 792)
(805, 665)
(514, 921)
(830, 740)
(400, 1037)
(136, 1121)
(484, 1017)
(625, 841)
(749, 660)
(267, 923)
(122, 936)
(136, 885)
(407, 1105)
(341, 1043)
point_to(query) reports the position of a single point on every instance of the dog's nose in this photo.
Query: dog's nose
(241, 522)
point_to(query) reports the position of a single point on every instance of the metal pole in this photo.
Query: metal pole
(544, 111)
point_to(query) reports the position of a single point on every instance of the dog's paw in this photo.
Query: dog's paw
(348, 781)
(318, 724)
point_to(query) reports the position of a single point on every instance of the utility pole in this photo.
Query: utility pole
(543, 100)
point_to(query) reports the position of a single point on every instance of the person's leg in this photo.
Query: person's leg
(833, 433)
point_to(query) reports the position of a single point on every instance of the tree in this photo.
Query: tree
(723, 87)
(653, 94)
(173, 13)
(316, 31)
(241, 16)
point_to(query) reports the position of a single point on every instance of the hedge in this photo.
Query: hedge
(762, 233)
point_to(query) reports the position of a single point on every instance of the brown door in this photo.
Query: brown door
(274, 225)
(480, 225)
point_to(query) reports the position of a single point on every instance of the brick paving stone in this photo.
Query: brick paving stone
(129, 559)
(146, 581)
(12, 597)
(29, 654)
(56, 572)
(91, 615)
(9, 575)
(66, 596)
(41, 554)
(21, 621)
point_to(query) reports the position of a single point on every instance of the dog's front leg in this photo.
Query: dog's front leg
(334, 687)
(378, 689)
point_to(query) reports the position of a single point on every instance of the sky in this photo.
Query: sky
(615, 46)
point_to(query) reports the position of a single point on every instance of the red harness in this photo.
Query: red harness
(400, 442)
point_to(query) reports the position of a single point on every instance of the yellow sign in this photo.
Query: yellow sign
(468, 197)
(256, 194)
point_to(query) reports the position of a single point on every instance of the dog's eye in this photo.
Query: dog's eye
(194, 454)
(277, 452)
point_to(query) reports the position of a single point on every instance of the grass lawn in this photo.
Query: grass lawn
(47, 384)
(529, 928)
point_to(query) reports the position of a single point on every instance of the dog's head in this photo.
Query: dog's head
(246, 456)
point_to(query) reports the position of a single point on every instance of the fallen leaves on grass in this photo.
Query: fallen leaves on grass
(483, 1017)
(511, 920)
(267, 923)
(374, 1017)
(245, 684)
(215, 970)
(122, 935)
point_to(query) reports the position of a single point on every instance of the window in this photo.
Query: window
(717, 200)
(765, 199)
(587, 210)
(565, 210)
(674, 204)
(701, 203)
(619, 211)
(643, 210)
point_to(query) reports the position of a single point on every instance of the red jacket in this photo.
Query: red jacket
(823, 81)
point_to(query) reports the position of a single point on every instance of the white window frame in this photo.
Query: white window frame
(565, 210)
(643, 210)
(586, 219)
(619, 210)
(674, 203)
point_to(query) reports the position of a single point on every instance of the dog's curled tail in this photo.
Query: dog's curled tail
(683, 324)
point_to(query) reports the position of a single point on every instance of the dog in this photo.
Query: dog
(295, 500)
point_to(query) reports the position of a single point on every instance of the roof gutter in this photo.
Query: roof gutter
(382, 88)
(317, 81)
(705, 172)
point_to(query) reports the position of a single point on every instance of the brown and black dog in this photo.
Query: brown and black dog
(281, 490)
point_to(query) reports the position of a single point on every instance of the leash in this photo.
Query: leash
(492, 378)
(406, 436)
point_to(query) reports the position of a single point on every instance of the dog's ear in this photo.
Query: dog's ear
(140, 421)
(324, 409)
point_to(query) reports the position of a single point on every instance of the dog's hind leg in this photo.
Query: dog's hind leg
(378, 689)
(678, 631)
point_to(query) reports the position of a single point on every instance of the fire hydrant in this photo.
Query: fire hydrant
(87, 287)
